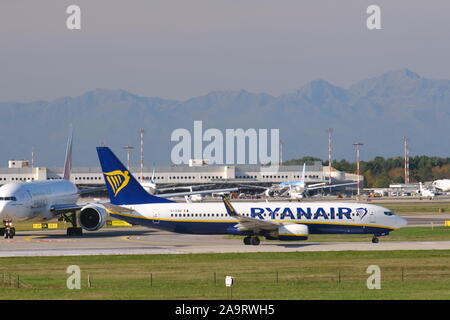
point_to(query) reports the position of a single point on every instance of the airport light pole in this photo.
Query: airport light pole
(141, 132)
(281, 153)
(128, 149)
(32, 157)
(405, 141)
(329, 131)
(358, 145)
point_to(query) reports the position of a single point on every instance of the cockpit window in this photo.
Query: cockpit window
(389, 213)
(8, 198)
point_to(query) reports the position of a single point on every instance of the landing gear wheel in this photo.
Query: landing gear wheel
(74, 231)
(247, 240)
(9, 234)
(255, 241)
(9, 231)
(375, 240)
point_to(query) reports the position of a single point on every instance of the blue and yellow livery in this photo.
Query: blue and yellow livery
(274, 220)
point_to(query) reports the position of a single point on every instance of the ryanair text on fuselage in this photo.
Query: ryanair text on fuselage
(341, 213)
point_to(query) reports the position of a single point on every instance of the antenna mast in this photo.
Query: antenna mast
(405, 141)
(142, 154)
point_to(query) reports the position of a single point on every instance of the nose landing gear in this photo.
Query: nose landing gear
(8, 231)
(375, 239)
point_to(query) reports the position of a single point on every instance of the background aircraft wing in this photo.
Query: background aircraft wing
(248, 223)
(189, 193)
(183, 187)
(64, 208)
(331, 185)
(71, 207)
(313, 185)
(93, 189)
(116, 208)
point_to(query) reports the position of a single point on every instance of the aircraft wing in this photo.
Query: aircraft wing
(116, 208)
(70, 207)
(248, 223)
(254, 187)
(88, 190)
(64, 208)
(189, 193)
(321, 184)
(331, 185)
(183, 187)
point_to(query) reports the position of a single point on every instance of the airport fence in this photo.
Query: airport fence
(301, 277)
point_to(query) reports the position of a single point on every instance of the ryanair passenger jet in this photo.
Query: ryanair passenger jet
(274, 220)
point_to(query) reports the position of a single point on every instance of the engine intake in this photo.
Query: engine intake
(93, 217)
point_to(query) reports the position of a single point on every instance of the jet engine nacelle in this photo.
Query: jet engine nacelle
(93, 217)
(293, 231)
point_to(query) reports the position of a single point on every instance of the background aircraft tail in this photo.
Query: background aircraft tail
(122, 187)
(68, 160)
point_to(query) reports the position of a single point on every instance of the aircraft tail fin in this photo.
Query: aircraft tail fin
(304, 172)
(122, 187)
(68, 159)
(153, 174)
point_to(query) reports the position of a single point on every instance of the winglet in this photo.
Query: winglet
(304, 171)
(68, 160)
(231, 211)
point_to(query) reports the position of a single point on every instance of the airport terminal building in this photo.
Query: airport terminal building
(192, 174)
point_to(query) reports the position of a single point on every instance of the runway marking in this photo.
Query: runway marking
(127, 238)
(36, 239)
(31, 238)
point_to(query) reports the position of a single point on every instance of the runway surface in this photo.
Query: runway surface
(426, 219)
(139, 240)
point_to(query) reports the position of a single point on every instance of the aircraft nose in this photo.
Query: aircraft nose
(2, 207)
(401, 222)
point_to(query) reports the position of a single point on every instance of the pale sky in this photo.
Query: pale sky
(179, 49)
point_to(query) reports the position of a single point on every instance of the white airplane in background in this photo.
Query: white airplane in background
(299, 189)
(45, 200)
(425, 192)
(442, 184)
(274, 220)
(150, 185)
(190, 196)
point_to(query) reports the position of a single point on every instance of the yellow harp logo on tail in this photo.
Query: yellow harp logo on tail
(117, 180)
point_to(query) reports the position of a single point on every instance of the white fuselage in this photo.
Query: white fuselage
(33, 200)
(209, 218)
(442, 184)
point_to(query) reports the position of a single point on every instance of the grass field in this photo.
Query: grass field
(416, 207)
(306, 275)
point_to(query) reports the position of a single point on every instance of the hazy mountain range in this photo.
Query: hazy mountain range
(378, 112)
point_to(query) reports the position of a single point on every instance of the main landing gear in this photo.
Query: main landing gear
(253, 240)
(8, 231)
(375, 239)
(74, 230)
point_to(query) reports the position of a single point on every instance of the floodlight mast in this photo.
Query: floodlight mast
(128, 149)
(358, 145)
